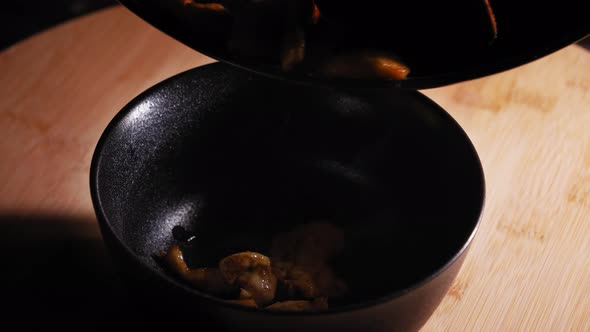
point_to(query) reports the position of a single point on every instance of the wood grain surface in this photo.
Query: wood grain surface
(529, 266)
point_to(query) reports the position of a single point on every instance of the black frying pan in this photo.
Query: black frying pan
(443, 42)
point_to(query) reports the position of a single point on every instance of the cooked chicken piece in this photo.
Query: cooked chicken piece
(246, 302)
(252, 280)
(315, 17)
(293, 48)
(298, 14)
(320, 303)
(308, 244)
(327, 283)
(308, 282)
(244, 294)
(316, 304)
(294, 281)
(264, 28)
(206, 279)
(492, 20)
(364, 65)
(300, 261)
(231, 6)
(250, 271)
(291, 306)
(213, 6)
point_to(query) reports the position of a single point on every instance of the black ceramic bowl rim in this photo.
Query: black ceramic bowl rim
(104, 221)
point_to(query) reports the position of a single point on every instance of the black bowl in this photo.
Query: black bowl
(220, 152)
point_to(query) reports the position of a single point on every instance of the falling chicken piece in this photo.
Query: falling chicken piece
(278, 32)
(364, 65)
(216, 7)
(250, 271)
(492, 20)
(301, 305)
(315, 17)
(298, 14)
(206, 279)
(293, 48)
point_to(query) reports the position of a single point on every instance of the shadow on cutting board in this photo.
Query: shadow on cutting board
(585, 43)
(56, 275)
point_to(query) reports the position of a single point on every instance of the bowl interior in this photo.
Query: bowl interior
(228, 156)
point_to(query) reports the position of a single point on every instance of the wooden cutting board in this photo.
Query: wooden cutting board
(529, 266)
